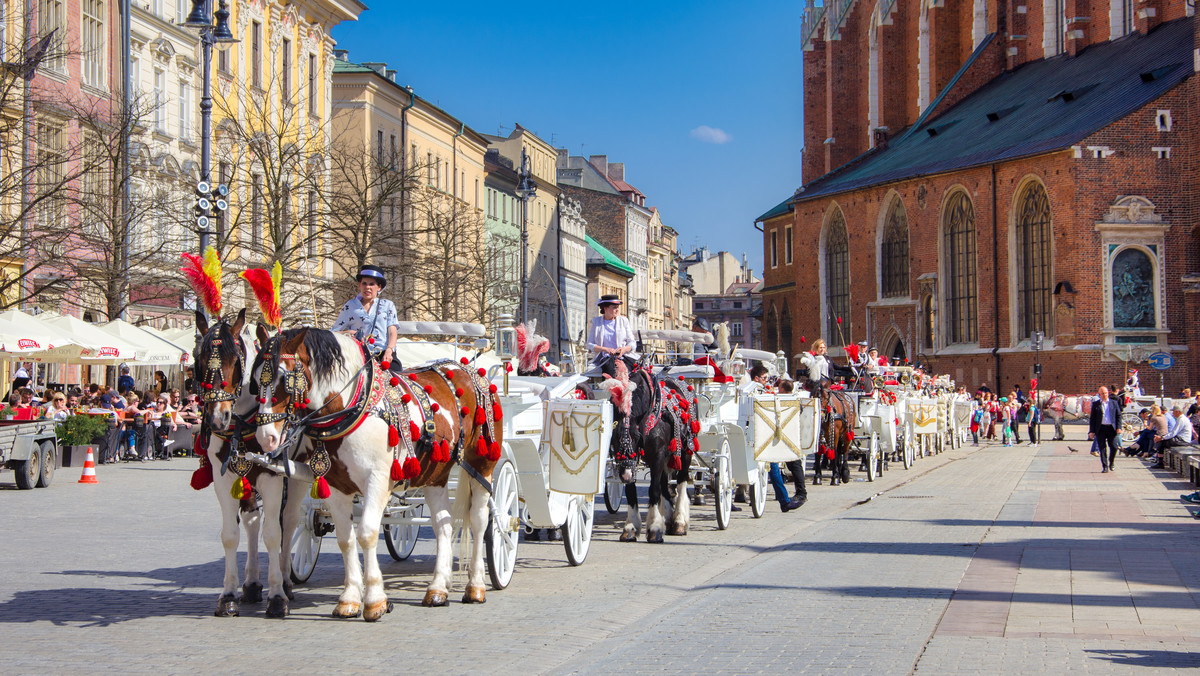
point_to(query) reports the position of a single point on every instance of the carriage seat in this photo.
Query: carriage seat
(687, 371)
(718, 375)
(545, 388)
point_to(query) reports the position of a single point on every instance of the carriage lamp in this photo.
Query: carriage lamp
(506, 344)
(781, 365)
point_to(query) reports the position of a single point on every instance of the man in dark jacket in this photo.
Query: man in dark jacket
(1104, 425)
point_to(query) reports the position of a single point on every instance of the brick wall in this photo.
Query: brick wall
(605, 216)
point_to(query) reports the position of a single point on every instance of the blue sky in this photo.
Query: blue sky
(700, 99)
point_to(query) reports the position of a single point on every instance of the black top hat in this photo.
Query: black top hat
(609, 299)
(374, 272)
(702, 324)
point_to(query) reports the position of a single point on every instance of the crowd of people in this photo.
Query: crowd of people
(142, 419)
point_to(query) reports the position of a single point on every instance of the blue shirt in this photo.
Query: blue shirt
(368, 324)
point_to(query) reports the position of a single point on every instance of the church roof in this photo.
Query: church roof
(1042, 106)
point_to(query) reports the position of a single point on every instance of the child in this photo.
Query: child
(1005, 420)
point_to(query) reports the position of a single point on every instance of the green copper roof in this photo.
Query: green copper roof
(609, 258)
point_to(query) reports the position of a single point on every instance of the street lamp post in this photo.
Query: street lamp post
(214, 29)
(526, 190)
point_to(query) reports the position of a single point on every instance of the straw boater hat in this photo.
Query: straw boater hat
(374, 272)
(609, 299)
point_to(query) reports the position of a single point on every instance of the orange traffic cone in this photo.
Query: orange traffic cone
(89, 469)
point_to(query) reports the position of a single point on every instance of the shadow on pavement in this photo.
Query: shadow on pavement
(1149, 658)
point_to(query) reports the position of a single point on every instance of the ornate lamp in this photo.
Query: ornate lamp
(506, 344)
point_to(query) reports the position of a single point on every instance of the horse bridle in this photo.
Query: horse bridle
(213, 384)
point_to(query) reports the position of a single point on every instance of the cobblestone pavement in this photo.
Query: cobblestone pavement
(1022, 559)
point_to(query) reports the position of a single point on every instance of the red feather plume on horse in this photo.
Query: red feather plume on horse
(204, 274)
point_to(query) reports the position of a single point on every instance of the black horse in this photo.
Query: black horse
(654, 426)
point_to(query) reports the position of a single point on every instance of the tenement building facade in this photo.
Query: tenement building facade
(979, 172)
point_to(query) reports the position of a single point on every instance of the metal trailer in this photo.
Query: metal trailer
(30, 449)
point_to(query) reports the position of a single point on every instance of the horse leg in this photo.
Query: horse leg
(375, 602)
(340, 508)
(271, 490)
(252, 522)
(227, 604)
(681, 514)
(633, 516)
(654, 506)
(292, 512)
(437, 498)
(478, 517)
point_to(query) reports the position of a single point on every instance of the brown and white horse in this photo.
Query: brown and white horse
(223, 355)
(370, 434)
(1062, 407)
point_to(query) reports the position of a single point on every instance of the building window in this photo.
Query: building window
(774, 248)
(256, 209)
(894, 256)
(3, 30)
(92, 37)
(223, 60)
(160, 101)
(735, 329)
(787, 245)
(837, 278)
(959, 249)
(737, 304)
(256, 54)
(185, 110)
(699, 305)
(1034, 259)
(52, 16)
(1133, 290)
(285, 73)
(312, 84)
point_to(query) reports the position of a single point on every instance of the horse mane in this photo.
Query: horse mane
(641, 405)
(722, 336)
(324, 351)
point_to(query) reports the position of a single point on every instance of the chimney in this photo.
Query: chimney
(341, 54)
(881, 137)
(377, 66)
(1146, 15)
(391, 74)
(564, 157)
(616, 171)
(600, 162)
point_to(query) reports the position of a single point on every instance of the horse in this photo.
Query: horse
(654, 423)
(223, 355)
(361, 426)
(1062, 407)
(837, 425)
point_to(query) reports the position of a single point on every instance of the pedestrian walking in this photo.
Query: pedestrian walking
(1033, 419)
(1103, 426)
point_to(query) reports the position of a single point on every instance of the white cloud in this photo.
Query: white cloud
(709, 134)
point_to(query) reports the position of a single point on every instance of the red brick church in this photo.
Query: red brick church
(976, 171)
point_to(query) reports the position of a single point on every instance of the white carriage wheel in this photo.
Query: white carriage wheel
(613, 490)
(401, 538)
(504, 526)
(758, 492)
(1131, 423)
(577, 529)
(872, 456)
(723, 483)
(306, 546)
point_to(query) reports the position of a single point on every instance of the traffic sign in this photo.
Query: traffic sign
(1161, 361)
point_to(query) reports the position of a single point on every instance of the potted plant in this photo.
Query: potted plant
(78, 432)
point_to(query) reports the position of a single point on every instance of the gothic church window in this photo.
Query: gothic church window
(1034, 259)
(894, 256)
(959, 249)
(837, 277)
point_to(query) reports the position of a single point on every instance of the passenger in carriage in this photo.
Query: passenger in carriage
(611, 337)
(818, 367)
(371, 319)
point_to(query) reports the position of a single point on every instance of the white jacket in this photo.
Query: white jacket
(624, 335)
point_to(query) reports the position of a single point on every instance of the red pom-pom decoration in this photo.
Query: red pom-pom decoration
(482, 372)
(458, 392)
(839, 320)
(508, 368)
(497, 412)
(274, 400)
(397, 470)
(674, 447)
(322, 488)
(208, 386)
(481, 447)
(695, 427)
(203, 477)
(224, 383)
(405, 398)
(850, 435)
(434, 407)
(413, 430)
(428, 389)
(395, 382)
(464, 411)
(262, 400)
(412, 468)
(492, 388)
(676, 463)
(464, 361)
(393, 437)
(480, 415)
(691, 388)
(371, 340)
(385, 365)
(802, 339)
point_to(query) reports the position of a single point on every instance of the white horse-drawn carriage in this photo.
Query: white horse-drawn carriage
(553, 453)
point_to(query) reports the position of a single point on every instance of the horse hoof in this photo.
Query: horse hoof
(654, 537)
(474, 595)
(252, 592)
(227, 606)
(277, 607)
(628, 536)
(435, 599)
(375, 611)
(345, 609)
(678, 530)
(288, 592)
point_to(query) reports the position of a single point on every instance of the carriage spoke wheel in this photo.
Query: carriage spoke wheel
(401, 538)
(872, 457)
(613, 490)
(306, 546)
(577, 530)
(1131, 424)
(723, 486)
(504, 526)
(758, 493)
